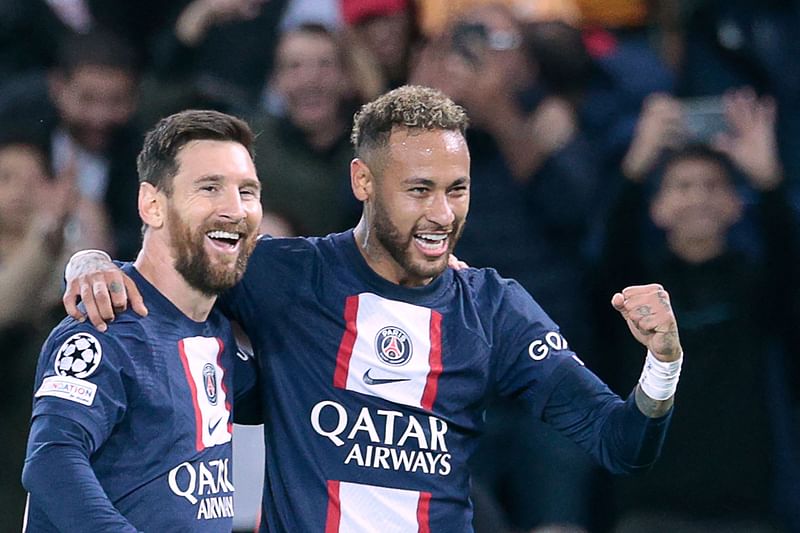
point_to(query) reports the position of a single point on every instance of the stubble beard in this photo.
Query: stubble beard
(400, 247)
(193, 263)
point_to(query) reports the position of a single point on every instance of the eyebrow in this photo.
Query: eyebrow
(464, 180)
(219, 178)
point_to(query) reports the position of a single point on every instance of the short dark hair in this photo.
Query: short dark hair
(157, 163)
(30, 138)
(410, 106)
(98, 47)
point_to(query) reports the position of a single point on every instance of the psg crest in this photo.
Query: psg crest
(210, 382)
(393, 346)
(79, 356)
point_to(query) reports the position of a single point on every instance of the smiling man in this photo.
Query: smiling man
(131, 427)
(378, 360)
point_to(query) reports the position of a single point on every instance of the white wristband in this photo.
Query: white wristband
(70, 267)
(659, 380)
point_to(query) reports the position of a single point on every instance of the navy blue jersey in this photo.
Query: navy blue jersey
(155, 396)
(374, 393)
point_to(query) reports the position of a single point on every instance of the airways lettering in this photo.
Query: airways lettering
(388, 432)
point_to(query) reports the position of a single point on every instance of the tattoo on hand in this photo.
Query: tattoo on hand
(662, 297)
(90, 264)
(644, 310)
(115, 287)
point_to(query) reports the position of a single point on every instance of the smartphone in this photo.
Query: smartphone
(469, 40)
(704, 117)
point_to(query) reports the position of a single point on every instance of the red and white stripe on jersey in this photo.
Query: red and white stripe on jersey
(354, 508)
(360, 369)
(204, 373)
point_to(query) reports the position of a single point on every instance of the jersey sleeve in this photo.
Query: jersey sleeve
(535, 365)
(81, 377)
(60, 480)
(530, 347)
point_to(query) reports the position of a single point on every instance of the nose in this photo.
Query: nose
(440, 211)
(231, 206)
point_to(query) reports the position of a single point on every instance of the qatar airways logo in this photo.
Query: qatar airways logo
(392, 436)
(206, 485)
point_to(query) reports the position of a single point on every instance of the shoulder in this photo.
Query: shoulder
(486, 284)
(290, 252)
(504, 298)
(71, 336)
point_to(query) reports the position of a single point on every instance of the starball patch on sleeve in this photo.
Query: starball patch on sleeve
(79, 356)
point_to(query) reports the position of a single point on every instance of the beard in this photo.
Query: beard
(400, 247)
(193, 262)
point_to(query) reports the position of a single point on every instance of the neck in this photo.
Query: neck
(11, 241)
(157, 267)
(381, 261)
(696, 251)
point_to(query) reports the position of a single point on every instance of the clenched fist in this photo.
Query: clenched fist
(649, 315)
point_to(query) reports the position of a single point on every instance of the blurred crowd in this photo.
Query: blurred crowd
(613, 142)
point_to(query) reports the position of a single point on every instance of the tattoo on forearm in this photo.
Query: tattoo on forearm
(670, 343)
(649, 407)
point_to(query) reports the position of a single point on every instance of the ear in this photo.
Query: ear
(152, 206)
(361, 179)
(659, 211)
(734, 207)
(56, 84)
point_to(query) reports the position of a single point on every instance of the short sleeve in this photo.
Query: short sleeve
(81, 376)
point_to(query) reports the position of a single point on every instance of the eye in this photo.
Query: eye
(209, 188)
(249, 192)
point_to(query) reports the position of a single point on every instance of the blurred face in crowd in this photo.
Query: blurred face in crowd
(310, 77)
(93, 102)
(213, 214)
(388, 37)
(416, 203)
(23, 176)
(502, 44)
(696, 200)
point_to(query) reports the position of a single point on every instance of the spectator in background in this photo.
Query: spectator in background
(382, 35)
(35, 208)
(730, 43)
(305, 154)
(217, 52)
(533, 185)
(87, 120)
(716, 472)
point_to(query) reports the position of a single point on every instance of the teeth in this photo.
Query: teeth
(433, 236)
(219, 234)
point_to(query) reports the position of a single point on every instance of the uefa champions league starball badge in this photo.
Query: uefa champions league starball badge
(79, 356)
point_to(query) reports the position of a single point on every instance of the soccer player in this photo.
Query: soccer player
(377, 360)
(131, 427)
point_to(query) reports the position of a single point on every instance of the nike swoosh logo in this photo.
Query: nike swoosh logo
(369, 380)
(212, 427)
